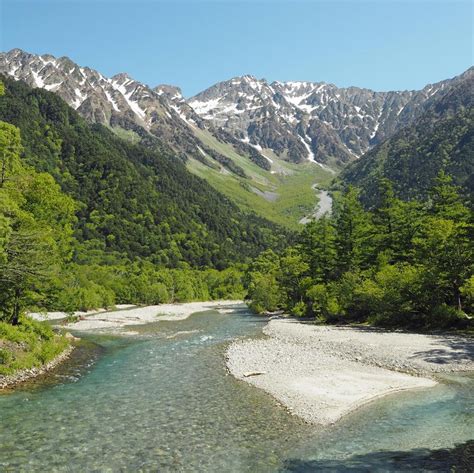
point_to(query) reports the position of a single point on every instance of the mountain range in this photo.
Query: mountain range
(298, 121)
(251, 139)
(442, 139)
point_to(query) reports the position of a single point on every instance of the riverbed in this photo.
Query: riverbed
(323, 206)
(162, 400)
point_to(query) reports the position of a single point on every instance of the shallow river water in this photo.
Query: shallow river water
(162, 401)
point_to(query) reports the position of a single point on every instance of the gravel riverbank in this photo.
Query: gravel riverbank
(321, 373)
(115, 321)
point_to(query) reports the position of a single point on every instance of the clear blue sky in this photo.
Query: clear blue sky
(383, 45)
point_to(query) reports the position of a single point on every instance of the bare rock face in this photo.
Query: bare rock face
(297, 121)
(312, 120)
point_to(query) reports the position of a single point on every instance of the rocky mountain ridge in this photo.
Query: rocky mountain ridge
(315, 120)
(294, 121)
(442, 139)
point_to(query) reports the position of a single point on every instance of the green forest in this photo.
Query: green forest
(400, 264)
(131, 201)
(89, 220)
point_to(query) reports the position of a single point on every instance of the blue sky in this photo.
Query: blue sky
(383, 45)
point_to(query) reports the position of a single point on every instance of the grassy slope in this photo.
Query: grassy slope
(27, 345)
(291, 182)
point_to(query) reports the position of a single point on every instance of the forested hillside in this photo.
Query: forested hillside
(88, 220)
(441, 140)
(398, 248)
(131, 201)
(401, 264)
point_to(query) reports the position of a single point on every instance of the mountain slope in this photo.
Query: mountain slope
(121, 103)
(161, 119)
(441, 139)
(315, 121)
(133, 201)
(250, 139)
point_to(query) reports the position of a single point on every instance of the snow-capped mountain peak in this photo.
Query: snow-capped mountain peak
(297, 120)
(310, 120)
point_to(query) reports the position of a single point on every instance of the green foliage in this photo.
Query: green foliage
(292, 274)
(467, 293)
(388, 297)
(353, 229)
(322, 302)
(85, 287)
(400, 264)
(36, 221)
(441, 140)
(10, 149)
(28, 344)
(132, 201)
(264, 292)
(263, 289)
(320, 237)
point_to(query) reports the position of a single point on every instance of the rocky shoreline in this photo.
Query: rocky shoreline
(21, 376)
(322, 373)
(116, 321)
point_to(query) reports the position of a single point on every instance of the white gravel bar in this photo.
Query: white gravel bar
(322, 373)
(113, 320)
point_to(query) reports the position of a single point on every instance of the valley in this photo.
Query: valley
(236, 237)
(252, 140)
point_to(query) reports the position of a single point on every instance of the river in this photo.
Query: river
(163, 401)
(323, 206)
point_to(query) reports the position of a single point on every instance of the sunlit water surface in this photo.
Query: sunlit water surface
(162, 401)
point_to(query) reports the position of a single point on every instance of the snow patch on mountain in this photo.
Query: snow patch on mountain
(111, 100)
(38, 80)
(311, 156)
(127, 94)
(203, 108)
(52, 87)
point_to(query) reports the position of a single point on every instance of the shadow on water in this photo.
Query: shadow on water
(459, 459)
(85, 355)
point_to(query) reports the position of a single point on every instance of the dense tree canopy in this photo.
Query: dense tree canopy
(132, 201)
(88, 220)
(36, 221)
(402, 263)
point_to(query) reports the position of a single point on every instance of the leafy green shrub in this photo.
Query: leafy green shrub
(444, 316)
(299, 309)
(467, 292)
(5, 356)
(265, 294)
(32, 343)
(388, 295)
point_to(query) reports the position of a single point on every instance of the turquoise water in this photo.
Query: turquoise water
(162, 401)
